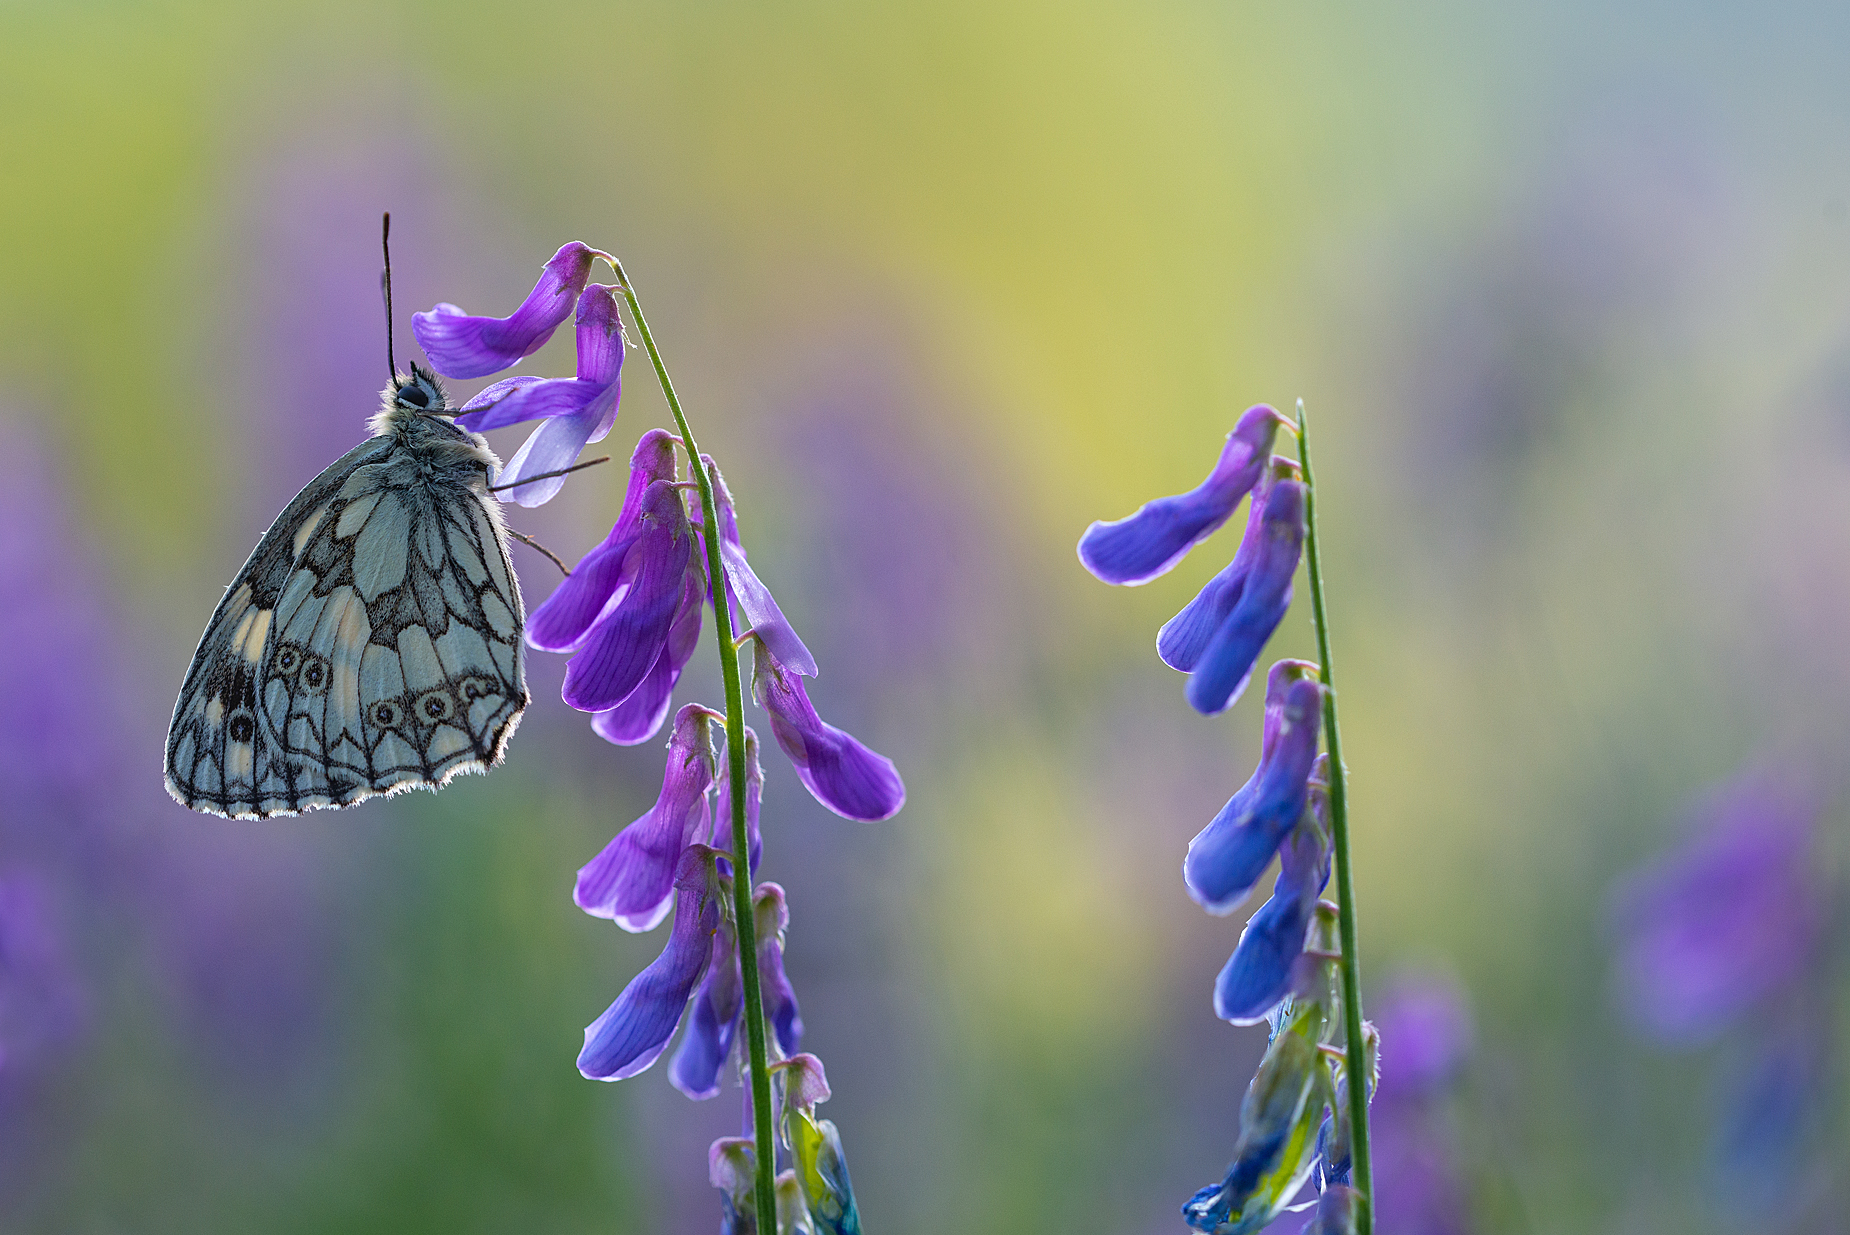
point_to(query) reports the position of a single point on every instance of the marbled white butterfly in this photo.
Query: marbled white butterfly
(372, 643)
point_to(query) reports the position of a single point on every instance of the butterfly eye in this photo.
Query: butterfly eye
(287, 660)
(386, 714)
(436, 705)
(475, 688)
(414, 395)
(241, 729)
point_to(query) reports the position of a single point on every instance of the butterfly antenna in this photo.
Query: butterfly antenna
(385, 285)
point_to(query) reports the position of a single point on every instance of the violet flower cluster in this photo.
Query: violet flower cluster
(1727, 940)
(629, 617)
(1284, 969)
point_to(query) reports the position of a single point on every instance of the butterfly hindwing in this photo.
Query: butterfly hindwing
(372, 643)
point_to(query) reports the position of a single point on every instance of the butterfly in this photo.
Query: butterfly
(372, 642)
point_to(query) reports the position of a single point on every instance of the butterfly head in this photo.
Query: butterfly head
(418, 393)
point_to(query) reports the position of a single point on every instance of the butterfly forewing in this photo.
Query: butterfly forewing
(372, 642)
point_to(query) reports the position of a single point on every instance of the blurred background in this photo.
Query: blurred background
(1566, 288)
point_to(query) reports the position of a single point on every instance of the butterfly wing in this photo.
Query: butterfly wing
(371, 644)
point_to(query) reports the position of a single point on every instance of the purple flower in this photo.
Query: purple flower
(632, 880)
(1428, 1026)
(1773, 1111)
(749, 597)
(1227, 661)
(771, 916)
(821, 1165)
(1185, 636)
(732, 1167)
(1138, 548)
(1226, 859)
(705, 1046)
(1259, 973)
(576, 410)
(630, 632)
(1426, 1029)
(754, 798)
(41, 998)
(1339, 1212)
(640, 715)
(1709, 931)
(462, 346)
(843, 774)
(633, 1031)
(719, 1004)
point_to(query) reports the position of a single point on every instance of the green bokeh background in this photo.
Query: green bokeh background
(1566, 289)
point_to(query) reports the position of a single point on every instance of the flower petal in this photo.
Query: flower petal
(1227, 662)
(1274, 1155)
(632, 879)
(626, 641)
(521, 398)
(600, 335)
(1185, 636)
(633, 1031)
(644, 709)
(1228, 856)
(843, 774)
(754, 797)
(771, 915)
(1139, 547)
(695, 1068)
(463, 346)
(750, 596)
(551, 447)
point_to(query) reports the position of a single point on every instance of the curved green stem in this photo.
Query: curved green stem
(765, 1190)
(1351, 969)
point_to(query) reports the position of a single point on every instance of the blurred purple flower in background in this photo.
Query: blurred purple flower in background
(1426, 1039)
(42, 1003)
(1735, 916)
(1727, 935)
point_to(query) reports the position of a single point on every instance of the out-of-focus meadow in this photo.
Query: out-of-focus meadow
(1566, 290)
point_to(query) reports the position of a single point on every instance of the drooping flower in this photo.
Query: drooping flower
(695, 1068)
(821, 1164)
(463, 346)
(1710, 931)
(630, 634)
(632, 880)
(634, 1030)
(732, 1167)
(843, 774)
(1184, 637)
(1228, 856)
(1226, 662)
(754, 800)
(1142, 546)
(750, 598)
(1278, 1134)
(576, 410)
(719, 1004)
(1338, 1212)
(771, 916)
(1259, 973)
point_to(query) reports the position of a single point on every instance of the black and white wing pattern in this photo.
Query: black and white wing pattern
(371, 644)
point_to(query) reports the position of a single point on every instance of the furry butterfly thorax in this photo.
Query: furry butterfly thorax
(372, 641)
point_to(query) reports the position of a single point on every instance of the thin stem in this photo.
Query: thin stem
(1351, 968)
(764, 1133)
